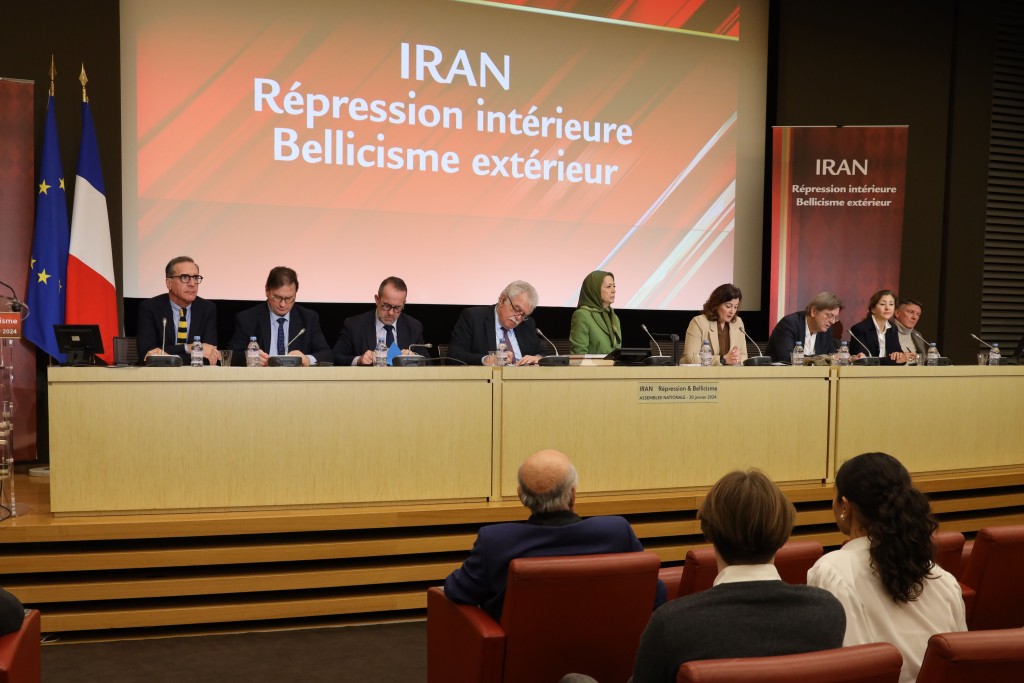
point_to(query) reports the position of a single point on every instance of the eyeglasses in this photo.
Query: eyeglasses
(517, 312)
(388, 308)
(186, 278)
(282, 299)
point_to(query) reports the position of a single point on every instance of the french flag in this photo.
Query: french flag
(91, 293)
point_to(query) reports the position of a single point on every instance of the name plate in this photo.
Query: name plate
(677, 392)
(10, 325)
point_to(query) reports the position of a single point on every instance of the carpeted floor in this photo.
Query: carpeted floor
(386, 653)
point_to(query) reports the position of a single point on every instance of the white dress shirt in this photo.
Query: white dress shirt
(871, 614)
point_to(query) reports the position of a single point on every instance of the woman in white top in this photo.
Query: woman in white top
(885, 578)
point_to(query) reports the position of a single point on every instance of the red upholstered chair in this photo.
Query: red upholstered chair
(949, 548)
(793, 560)
(872, 663)
(581, 614)
(991, 583)
(21, 652)
(988, 656)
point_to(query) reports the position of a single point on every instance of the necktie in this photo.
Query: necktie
(389, 337)
(508, 344)
(280, 337)
(183, 325)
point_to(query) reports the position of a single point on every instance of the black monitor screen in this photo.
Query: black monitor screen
(80, 343)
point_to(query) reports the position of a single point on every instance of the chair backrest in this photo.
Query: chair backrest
(949, 547)
(126, 351)
(581, 614)
(793, 560)
(872, 663)
(21, 652)
(989, 656)
(995, 572)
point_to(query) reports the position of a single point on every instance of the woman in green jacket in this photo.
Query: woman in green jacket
(595, 327)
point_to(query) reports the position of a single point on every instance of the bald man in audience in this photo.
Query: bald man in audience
(547, 486)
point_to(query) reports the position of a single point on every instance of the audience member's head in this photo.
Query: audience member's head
(547, 482)
(875, 498)
(746, 517)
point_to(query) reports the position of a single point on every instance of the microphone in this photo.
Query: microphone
(548, 341)
(164, 360)
(977, 338)
(15, 304)
(301, 332)
(866, 360)
(760, 358)
(556, 359)
(661, 358)
(420, 346)
(415, 360)
(648, 332)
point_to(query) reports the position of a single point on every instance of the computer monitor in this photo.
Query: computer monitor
(80, 343)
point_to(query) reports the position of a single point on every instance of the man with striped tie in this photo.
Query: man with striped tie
(168, 322)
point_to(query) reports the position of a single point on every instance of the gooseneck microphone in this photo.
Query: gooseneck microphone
(301, 332)
(661, 358)
(656, 344)
(13, 298)
(163, 360)
(760, 358)
(921, 337)
(867, 359)
(544, 337)
(556, 359)
(163, 335)
(977, 338)
(420, 346)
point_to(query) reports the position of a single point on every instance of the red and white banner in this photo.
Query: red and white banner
(837, 214)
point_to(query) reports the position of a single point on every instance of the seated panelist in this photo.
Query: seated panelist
(167, 323)
(480, 329)
(876, 335)
(720, 322)
(810, 327)
(357, 343)
(595, 327)
(281, 327)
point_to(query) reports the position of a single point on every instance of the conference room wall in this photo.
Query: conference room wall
(923, 63)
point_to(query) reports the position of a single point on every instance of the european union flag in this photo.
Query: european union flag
(49, 265)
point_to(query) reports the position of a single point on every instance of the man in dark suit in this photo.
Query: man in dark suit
(480, 329)
(810, 327)
(547, 486)
(186, 315)
(281, 326)
(359, 334)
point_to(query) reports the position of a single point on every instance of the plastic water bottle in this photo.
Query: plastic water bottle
(933, 355)
(994, 357)
(252, 353)
(843, 358)
(197, 353)
(706, 353)
(380, 354)
(501, 355)
(797, 358)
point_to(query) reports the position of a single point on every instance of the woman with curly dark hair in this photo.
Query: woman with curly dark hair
(885, 578)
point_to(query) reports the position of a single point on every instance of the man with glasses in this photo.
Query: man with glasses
(168, 322)
(281, 327)
(810, 327)
(480, 329)
(360, 333)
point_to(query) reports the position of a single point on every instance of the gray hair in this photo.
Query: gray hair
(824, 301)
(169, 268)
(518, 287)
(558, 498)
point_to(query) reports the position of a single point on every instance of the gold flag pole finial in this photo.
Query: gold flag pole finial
(84, 79)
(53, 73)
